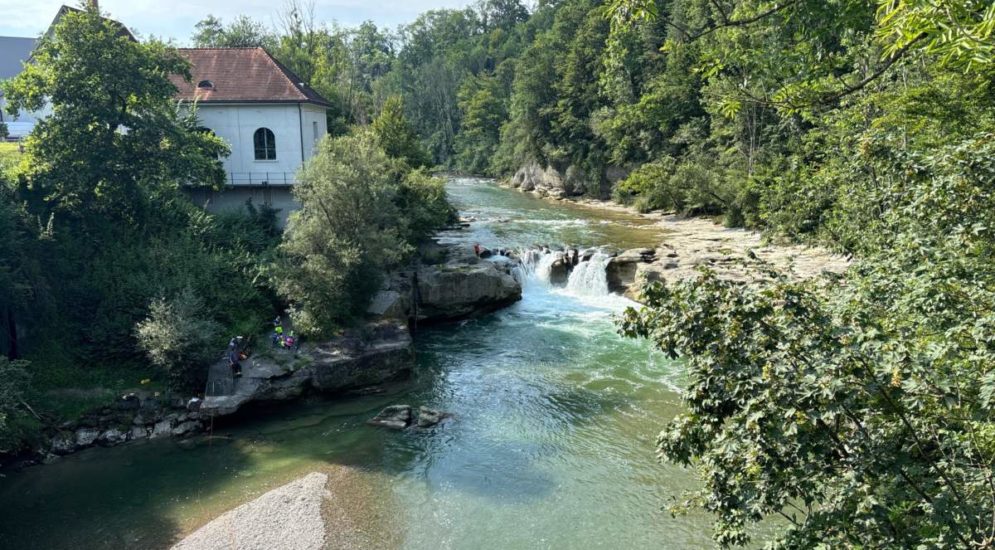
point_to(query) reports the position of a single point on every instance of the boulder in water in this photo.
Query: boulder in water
(464, 287)
(162, 428)
(395, 417)
(430, 417)
(559, 269)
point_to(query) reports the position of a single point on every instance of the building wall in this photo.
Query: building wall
(234, 197)
(315, 127)
(22, 124)
(237, 124)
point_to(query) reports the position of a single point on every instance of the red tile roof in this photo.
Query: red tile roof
(241, 75)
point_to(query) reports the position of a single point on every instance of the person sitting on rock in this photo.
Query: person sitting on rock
(476, 249)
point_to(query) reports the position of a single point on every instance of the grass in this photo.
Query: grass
(64, 388)
(10, 154)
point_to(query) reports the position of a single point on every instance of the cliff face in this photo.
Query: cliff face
(454, 285)
(549, 182)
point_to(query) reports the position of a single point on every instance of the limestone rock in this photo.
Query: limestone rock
(374, 354)
(112, 437)
(430, 417)
(186, 428)
(464, 287)
(86, 436)
(139, 432)
(163, 428)
(395, 417)
(63, 443)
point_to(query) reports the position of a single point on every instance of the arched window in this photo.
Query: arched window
(206, 84)
(265, 144)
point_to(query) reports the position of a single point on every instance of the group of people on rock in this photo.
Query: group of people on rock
(236, 352)
(284, 341)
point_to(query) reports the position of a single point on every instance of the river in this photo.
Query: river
(552, 444)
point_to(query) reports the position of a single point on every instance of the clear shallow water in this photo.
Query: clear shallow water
(552, 444)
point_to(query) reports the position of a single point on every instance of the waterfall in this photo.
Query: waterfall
(587, 278)
(590, 278)
(536, 264)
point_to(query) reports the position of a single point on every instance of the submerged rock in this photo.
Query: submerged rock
(430, 417)
(186, 428)
(162, 428)
(112, 437)
(395, 417)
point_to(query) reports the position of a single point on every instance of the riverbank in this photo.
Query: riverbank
(691, 243)
(446, 284)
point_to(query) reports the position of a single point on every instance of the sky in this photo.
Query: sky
(175, 19)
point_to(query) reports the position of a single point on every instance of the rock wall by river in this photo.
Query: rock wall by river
(547, 181)
(448, 283)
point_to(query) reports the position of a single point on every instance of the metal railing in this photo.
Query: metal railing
(261, 178)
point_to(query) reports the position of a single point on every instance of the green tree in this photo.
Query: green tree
(179, 339)
(863, 414)
(361, 213)
(396, 136)
(243, 32)
(483, 112)
(114, 130)
(99, 199)
(16, 416)
(345, 233)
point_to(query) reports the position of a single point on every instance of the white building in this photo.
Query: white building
(270, 119)
(14, 51)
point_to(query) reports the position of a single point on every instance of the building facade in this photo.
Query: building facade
(270, 119)
(14, 51)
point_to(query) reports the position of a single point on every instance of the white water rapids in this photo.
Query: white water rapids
(587, 279)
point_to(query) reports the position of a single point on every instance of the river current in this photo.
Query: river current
(551, 444)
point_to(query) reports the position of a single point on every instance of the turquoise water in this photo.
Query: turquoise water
(551, 444)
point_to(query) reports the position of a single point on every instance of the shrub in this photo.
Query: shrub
(14, 384)
(177, 338)
(361, 211)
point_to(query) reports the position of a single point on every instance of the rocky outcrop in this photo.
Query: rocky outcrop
(547, 181)
(622, 269)
(465, 287)
(450, 285)
(372, 355)
(395, 417)
(399, 417)
(430, 417)
(137, 415)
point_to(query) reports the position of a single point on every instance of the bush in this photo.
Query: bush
(177, 338)
(423, 201)
(14, 412)
(361, 212)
